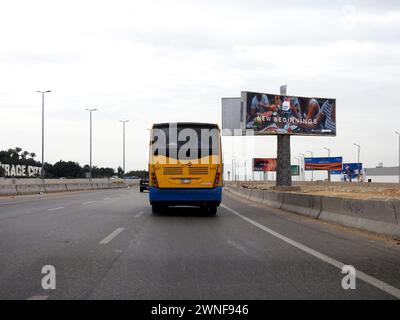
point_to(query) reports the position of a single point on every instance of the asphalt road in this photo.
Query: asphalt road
(108, 245)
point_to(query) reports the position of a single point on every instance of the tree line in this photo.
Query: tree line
(62, 169)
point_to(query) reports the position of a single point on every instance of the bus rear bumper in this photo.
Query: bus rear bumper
(196, 196)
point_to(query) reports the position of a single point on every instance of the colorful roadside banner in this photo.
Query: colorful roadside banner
(326, 163)
(353, 167)
(270, 164)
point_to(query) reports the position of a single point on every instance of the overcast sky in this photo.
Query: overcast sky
(162, 61)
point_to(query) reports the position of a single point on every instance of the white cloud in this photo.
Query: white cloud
(173, 61)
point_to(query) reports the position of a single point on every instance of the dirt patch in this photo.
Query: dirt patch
(351, 191)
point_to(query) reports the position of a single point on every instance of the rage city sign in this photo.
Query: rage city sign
(20, 170)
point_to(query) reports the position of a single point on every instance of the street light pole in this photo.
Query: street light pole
(298, 163)
(123, 143)
(312, 171)
(329, 172)
(303, 167)
(42, 173)
(358, 161)
(398, 133)
(90, 165)
(232, 170)
(245, 171)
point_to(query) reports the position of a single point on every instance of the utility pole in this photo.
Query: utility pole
(303, 166)
(42, 173)
(90, 165)
(329, 172)
(123, 144)
(298, 163)
(312, 171)
(358, 161)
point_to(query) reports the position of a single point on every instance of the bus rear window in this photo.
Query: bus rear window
(184, 143)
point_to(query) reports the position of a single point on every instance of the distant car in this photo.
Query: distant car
(131, 177)
(144, 184)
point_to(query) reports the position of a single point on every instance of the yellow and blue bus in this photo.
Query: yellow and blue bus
(185, 166)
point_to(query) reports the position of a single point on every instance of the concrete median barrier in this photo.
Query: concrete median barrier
(256, 195)
(14, 187)
(379, 216)
(8, 190)
(273, 199)
(55, 187)
(303, 204)
(24, 189)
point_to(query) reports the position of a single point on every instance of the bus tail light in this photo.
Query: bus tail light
(153, 178)
(217, 177)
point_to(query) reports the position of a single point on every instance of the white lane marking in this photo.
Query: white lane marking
(361, 275)
(88, 202)
(111, 236)
(53, 209)
(38, 298)
(139, 214)
(106, 198)
(237, 246)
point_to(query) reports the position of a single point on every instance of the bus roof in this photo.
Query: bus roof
(187, 124)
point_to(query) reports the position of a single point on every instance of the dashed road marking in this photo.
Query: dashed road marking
(139, 214)
(53, 209)
(111, 236)
(38, 298)
(359, 274)
(89, 202)
(106, 198)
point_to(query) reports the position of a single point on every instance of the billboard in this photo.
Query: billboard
(270, 164)
(232, 116)
(278, 114)
(327, 163)
(294, 170)
(20, 170)
(354, 167)
(264, 164)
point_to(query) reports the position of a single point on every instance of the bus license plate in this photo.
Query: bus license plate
(186, 181)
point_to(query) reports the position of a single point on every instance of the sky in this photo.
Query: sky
(168, 61)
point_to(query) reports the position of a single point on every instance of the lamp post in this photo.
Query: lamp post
(312, 171)
(303, 166)
(358, 161)
(123, 144)
(298, 163)
(90, 165)
(398, 133)
(329, 172)
(42, 173)
(233, 170)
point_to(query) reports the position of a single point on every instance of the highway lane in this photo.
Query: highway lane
(107, 245)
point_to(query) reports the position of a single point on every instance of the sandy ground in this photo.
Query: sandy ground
(351, 191)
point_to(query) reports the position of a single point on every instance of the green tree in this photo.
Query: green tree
(68, 169)
(120, 172)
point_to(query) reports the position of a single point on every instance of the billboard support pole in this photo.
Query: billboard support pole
(283, 174)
